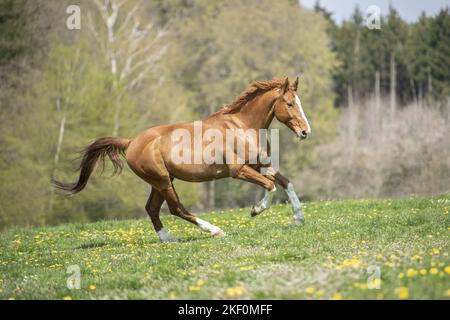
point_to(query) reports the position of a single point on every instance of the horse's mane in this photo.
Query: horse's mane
(249, 94)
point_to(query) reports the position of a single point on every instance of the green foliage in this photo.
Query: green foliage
(74, 88)
(421, 53)
(14, 29)
(260, 258)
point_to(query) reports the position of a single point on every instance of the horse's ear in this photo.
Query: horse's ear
(285, 86)
(296, 84)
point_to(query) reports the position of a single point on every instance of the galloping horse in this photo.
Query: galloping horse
(150, 155)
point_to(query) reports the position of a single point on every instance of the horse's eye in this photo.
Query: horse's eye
(290, 104)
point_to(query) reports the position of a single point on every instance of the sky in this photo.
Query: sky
(409, 10)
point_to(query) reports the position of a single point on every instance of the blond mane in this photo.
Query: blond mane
(250, 93)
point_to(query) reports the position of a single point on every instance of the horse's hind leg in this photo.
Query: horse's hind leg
(177, 209)
(293, 198)
(153, 206)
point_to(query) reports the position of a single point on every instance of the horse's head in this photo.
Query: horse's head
(288, 110)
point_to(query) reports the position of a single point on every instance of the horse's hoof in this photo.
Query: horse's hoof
(254, 212)
(218, 234)
(298, 221)
(170, 239)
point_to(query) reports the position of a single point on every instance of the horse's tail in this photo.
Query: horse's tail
(99, 149)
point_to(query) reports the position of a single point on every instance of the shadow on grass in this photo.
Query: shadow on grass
(93, 244)
(115, 243)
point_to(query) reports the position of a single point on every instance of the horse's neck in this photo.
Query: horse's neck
(258, 114)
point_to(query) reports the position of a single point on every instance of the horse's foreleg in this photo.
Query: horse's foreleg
(153, 206)
(247, 173)
(293, 198)
(177, 209)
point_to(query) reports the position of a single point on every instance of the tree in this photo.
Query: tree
(132, 49)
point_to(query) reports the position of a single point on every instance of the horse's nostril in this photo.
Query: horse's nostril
(304, 133)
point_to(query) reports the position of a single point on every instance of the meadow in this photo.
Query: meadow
(336, 254)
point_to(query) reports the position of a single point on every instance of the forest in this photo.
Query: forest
(378, 100)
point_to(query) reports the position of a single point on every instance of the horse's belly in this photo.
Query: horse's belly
(198, 172)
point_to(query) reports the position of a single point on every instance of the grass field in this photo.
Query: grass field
(264, 257)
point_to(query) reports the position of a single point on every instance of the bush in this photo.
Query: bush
(377, 154)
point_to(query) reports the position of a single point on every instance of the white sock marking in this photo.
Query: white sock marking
(265, 202)
(296, 205)
(206, 226)
(165, 236)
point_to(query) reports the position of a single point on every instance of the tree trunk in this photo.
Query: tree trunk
(421, 94)
(62, 127)
(430, 85)
(413, 90)
(210, 202)
(377, 120)
(350, 96)
(351, 113)
(393, 83)
(377, 90)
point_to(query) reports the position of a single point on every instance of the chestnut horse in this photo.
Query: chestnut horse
(149, 153)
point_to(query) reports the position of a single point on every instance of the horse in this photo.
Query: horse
(150, 154)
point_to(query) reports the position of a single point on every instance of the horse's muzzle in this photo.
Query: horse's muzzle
(302, 135)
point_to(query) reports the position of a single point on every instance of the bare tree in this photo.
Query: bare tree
(132, 49)
(393, 83)
(63, 101)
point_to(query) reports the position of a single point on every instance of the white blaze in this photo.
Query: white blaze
(302, 113)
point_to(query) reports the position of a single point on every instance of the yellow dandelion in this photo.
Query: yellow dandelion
(194, 288)
(411, 273)
(375, 283)
(200, 282)
(434, 271)
(401, 275)
(435, 251)
(236, 291)
(336, 296)
(310, 290)
(402, 293)
(423, 272)
(447, 269)
(447, 293)
(67, 298)
(92, 287)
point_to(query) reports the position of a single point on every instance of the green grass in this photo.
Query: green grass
(262, 257)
